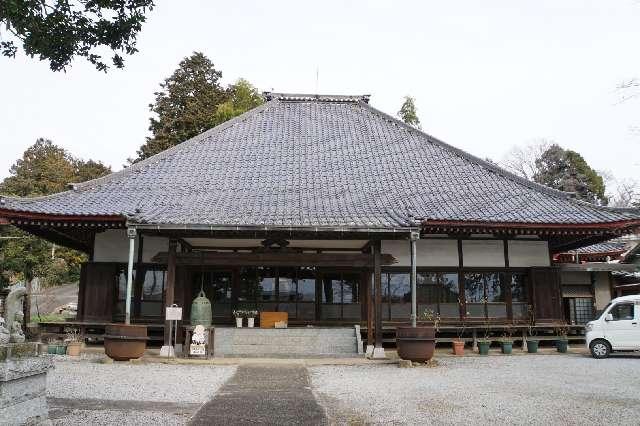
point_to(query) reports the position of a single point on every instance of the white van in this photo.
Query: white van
(617, 329)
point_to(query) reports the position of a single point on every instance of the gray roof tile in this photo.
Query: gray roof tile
(314, 161)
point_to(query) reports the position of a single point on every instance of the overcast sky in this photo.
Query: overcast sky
(487, 75)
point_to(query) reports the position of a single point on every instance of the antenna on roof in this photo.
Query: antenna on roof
(317, 78)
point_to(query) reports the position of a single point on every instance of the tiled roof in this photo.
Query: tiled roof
(606, 247)
(307, 160)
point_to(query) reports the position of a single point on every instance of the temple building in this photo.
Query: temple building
(319, 206)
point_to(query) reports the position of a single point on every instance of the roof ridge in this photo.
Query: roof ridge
(302, 97)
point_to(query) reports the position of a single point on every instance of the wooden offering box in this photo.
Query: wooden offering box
(269, 319)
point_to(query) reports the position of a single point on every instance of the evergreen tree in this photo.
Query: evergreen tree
(408, 112)
(43, 169)
(566, 170)
(186, 106)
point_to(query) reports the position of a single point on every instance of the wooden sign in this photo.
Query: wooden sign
(174, 313)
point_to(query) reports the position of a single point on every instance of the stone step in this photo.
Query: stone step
(289, 342)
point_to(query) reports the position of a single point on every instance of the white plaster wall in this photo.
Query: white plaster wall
(528, 253)
(575, 278)
(429, 252)
(113, 246)
(483, 253)
(602, 289)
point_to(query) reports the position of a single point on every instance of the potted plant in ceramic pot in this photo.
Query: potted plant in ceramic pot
(239, 315)
(507, 341)
(458, 342)
(562, 344)
(74, 342)
(251, 317)
(485, 342)
(52, 346)
(418, 343)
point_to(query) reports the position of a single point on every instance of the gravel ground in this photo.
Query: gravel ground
(106, 386)
(524, 389)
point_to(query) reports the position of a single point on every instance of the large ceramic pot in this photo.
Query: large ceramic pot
(416, 343)
(123, 342)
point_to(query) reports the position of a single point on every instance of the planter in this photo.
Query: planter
(123, 342)
(239, 322)
(250, 322)
(458, 347)
(416, 343)
(507, 347)
(74, 348)
(61, 349)
(532, 346)
(562, 345)
(483, 347)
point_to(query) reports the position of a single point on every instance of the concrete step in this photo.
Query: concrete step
(291, 342)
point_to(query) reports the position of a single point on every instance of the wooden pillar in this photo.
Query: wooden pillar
(139, 279)
(378, 351)
(369, 294)
(170, 287)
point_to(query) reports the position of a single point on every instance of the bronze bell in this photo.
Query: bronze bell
(201, 310)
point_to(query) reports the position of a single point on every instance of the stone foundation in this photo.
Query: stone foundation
(23, 384)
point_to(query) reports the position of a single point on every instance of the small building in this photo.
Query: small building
(319, 206)
(591, 276)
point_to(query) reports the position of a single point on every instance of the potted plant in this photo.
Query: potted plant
(74, 342)
(485, 342)
(458, 343)
(507, 341)
(239, 315)
(562, 344)
(52, 346)
(251, 316)
(532, 342)
(418, 343)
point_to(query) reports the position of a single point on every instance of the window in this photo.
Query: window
(340, 296)
(121, 290)
(435, 291)
(519, 299)
(622, 311)
(152, 294)
(485, 295)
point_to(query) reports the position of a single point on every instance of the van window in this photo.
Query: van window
(622, 311)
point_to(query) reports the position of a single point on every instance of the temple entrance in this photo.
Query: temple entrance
(307, 294)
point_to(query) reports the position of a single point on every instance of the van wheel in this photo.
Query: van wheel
(600, 349)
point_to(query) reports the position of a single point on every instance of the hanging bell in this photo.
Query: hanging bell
(201, 310)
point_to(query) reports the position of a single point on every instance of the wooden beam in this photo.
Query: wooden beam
(355, 260)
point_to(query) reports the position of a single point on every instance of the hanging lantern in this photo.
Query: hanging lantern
(201, 310)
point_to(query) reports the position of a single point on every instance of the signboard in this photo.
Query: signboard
(174, 313)
(195, 349)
